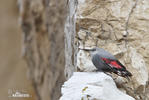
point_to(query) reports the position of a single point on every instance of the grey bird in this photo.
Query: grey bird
(106, 62)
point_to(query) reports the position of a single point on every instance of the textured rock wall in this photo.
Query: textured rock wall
(120, 27)
(42, 23)
(70, 33)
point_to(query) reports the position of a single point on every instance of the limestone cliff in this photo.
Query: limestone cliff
(120, 27)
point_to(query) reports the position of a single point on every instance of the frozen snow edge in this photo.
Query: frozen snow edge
(92, 86)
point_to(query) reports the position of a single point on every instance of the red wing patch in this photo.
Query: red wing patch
(112, 63)
(106, 60)
(115, 64)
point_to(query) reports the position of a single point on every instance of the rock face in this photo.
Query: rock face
(92, 86)
(42, 23)
(120, 27)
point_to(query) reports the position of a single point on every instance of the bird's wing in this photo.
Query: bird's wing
(114, 63)
(117, 67)
(100, 64)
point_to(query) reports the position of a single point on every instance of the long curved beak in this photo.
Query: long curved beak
(87, 49)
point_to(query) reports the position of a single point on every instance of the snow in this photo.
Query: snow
(92, 86)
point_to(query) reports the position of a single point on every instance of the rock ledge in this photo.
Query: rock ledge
(92, 86)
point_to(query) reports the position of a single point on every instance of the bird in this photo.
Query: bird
(106, 62)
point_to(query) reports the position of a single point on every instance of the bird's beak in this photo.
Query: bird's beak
(87, 49)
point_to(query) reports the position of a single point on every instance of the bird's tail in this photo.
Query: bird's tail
(123, 73)
(126, 74)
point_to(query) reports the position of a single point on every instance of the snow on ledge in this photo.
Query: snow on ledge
(92, 86)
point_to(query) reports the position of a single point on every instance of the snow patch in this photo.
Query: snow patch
(92, 86)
